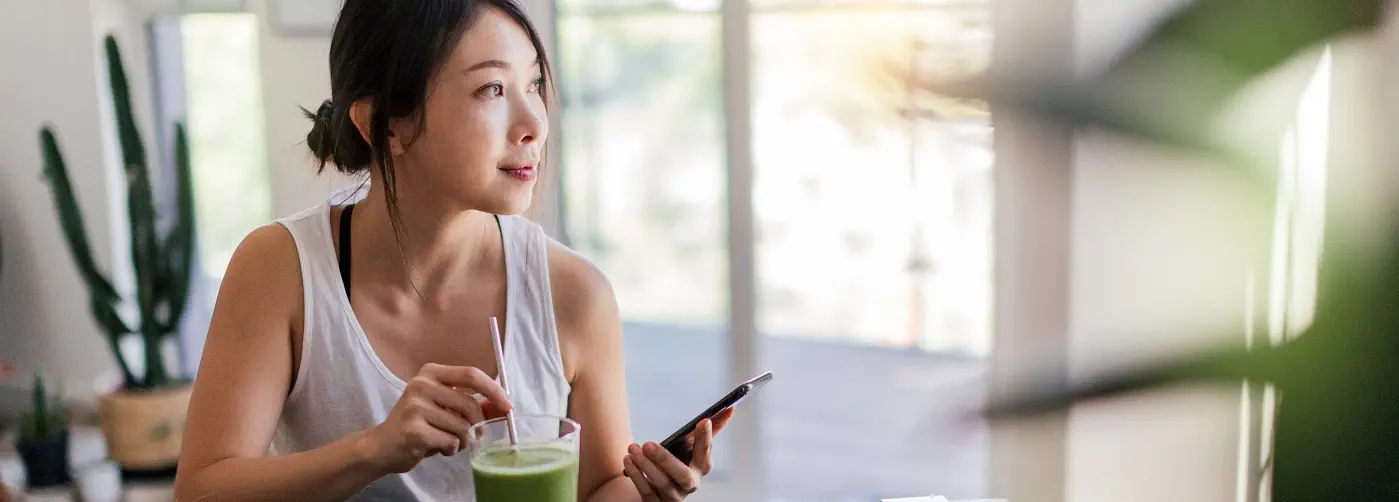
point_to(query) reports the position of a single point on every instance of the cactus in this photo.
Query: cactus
(162, 262)
(47, 417)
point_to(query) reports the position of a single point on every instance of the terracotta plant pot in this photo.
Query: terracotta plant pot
(143, 428)
(45, 461)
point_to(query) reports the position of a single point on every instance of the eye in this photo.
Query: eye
(537, 84)
(492, 90)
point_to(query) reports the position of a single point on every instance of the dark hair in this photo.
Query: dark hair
(389, 51)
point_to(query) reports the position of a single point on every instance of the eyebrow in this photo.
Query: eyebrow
(492, 63)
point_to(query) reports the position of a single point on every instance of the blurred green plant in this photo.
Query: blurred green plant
(46, 418)
(1337, 424)
(162, 262)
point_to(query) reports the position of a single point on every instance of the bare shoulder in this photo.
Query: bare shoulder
(247, 366)
(268, 242)
(585, 306)
(264, 275)
(580, 288)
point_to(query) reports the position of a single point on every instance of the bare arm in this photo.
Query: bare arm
(590, 334)
(612, 468)
(244, 377)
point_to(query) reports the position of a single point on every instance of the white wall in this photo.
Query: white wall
(295, 73)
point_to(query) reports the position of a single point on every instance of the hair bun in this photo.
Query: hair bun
(326, 112)
(321, 139)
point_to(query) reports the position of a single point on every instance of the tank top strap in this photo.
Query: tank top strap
(532, 302)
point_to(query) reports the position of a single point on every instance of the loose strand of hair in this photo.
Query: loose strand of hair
(386, 171)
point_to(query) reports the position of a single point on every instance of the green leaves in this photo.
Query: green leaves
(103, 296)
(1335, 428)
(47, 417)
(133, 151)
(1207, 52)
(179, 244)
(1166, 88)
(70, 216)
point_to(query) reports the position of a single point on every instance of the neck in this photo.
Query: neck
(436, 240)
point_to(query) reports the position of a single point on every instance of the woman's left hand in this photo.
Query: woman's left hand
(661, 477)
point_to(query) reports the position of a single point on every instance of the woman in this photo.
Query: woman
(349, 340)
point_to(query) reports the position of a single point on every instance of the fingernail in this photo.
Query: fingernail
(653, 448)
(634, 449)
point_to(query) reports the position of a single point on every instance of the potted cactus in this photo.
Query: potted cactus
(142, 420)
(43, 439)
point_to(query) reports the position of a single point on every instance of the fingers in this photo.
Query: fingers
(704, 441)
(684, 478)
(639, 479)
(445, 408)
(433, 439)
(661, 482)
(448, 398)
(450, 423)
(488, 409)
(468, 377)
(722, 418)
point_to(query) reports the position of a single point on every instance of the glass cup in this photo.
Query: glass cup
(543, 467)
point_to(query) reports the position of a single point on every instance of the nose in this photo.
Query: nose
(530, 121)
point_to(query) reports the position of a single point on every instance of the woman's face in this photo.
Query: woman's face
(485, 122)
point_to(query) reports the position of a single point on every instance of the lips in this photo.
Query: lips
(522, 172)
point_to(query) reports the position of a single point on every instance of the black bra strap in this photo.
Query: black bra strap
(345, 247)
(344, 257)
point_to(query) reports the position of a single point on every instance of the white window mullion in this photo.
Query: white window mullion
(743, 334)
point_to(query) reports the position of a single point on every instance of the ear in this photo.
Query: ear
(362, 114)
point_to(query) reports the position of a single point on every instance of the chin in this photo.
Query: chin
(508, 206)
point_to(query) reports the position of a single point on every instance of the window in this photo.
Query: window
(643, 156)
(207, 74)
(643, 185)
(873, 201)
(223, 84)
(872, 213)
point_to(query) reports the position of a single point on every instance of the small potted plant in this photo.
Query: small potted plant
(43, 439)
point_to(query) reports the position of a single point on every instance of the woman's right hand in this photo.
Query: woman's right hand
(433, 415)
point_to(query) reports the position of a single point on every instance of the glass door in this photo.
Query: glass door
(867, 270)
(873, 205)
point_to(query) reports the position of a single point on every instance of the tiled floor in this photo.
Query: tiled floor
(841, 422)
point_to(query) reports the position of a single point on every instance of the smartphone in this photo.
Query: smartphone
(676, 443)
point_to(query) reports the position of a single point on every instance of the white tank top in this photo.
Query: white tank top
(342, 386)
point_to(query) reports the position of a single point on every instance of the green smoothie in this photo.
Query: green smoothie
(535, 473)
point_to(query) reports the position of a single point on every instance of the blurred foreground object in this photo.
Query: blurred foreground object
(1337, 425)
